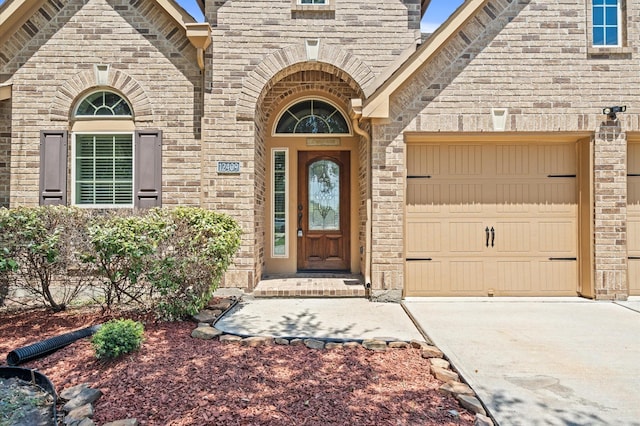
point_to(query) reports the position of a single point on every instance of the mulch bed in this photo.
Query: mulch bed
(177, 380)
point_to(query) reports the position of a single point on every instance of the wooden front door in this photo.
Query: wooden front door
(323, 211)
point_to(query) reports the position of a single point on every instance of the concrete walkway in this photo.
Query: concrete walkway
(339, 319)
(542, 361)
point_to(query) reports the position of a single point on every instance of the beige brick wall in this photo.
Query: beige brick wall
(610, 199)
(151, 62)
(534, 59)
(5, 151)
(256, 45)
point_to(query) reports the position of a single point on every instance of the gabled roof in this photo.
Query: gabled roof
(377, 105)
(424, 4)
(14, 13)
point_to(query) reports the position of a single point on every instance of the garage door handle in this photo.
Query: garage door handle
(486, 230)
(563, 258)
(493, 236)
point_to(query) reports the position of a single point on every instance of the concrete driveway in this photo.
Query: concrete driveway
(544, 361)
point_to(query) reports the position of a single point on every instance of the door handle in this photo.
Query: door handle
(486, 230)
(299, 220)
(493, 236)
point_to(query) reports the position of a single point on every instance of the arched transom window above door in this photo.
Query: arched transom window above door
(312, 117)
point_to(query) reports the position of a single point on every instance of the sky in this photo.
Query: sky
(437, 13)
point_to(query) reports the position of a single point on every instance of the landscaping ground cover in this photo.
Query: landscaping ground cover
(177, 380)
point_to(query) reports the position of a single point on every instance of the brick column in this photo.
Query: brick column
(610, 213)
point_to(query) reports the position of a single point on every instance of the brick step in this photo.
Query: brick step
(310, 285)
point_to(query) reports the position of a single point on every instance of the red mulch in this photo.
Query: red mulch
(177, 380)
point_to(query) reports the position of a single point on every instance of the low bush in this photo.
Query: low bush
(168, 259)
(40, 253)
(121, 249)
(190, 262)
(117, 337)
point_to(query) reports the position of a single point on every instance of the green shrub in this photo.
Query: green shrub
(117, 337)
(192, 260)
(170, 259)
(39, 250)
(122, 247)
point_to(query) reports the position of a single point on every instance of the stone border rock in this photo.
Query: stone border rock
(79, 407)
(440, 367)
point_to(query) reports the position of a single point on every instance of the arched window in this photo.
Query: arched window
(103, 159)
(103, 104)
(312, 116)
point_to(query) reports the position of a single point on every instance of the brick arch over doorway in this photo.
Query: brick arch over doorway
(67, 93)
(313, 78)
(290, 60)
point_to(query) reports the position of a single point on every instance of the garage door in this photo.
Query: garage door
(487, 219)
(633, 217)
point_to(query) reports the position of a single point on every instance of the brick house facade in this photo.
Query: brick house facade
(475, 162)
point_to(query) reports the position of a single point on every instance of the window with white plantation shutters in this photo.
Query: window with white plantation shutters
(103, 172)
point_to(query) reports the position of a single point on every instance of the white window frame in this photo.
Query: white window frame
(76, 116)
(327, 6)
(619, 26)
(286, 202)
(73, 171)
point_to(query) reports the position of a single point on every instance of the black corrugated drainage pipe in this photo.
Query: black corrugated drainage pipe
(34, 377)
(47, 346)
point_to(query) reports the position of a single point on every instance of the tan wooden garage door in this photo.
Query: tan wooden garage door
(491, 219)
(633, 217)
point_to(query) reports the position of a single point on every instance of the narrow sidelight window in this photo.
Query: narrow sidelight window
(280, 203)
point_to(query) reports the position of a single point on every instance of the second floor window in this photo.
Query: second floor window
(606, 23)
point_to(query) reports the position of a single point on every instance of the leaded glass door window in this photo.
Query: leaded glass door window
(323, 210)
(324, 196)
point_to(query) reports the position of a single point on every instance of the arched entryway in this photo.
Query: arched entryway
(313, 163)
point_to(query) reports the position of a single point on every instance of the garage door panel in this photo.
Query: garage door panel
(555, 159)
(633, 217)
(464, 274)
(557, 277)
(514, 276)
(557, 238)
(513, 160)
(513, 198)
(424, 197)
(424, 160)
(466, 197)
(423, 238)
(634, 277)
(512, 237)
(633, 238)
(505, 186)
(465, 237)
(557, 196)
(464, 160)
(424, 278)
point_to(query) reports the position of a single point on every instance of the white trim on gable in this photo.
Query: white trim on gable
(377, 105)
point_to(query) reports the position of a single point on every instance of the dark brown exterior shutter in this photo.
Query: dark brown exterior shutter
(53, 167)
(148, 169)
